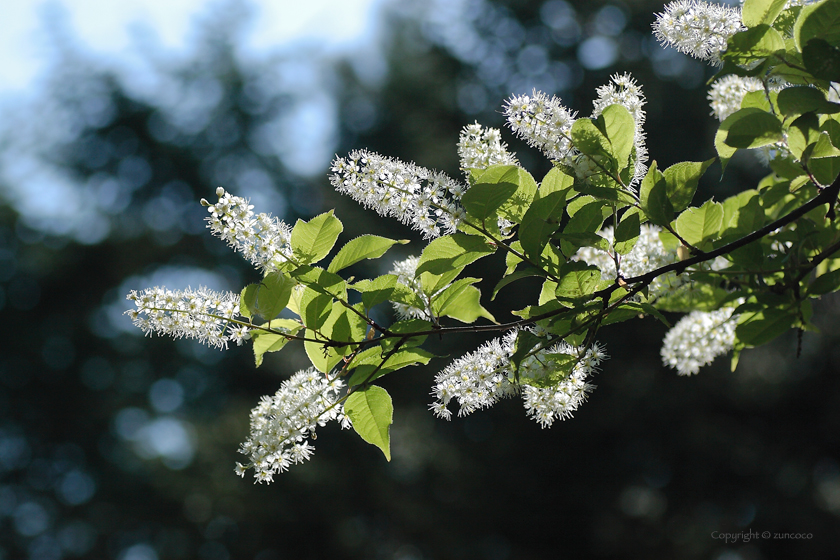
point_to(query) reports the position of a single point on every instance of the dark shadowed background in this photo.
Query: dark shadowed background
(116, 446)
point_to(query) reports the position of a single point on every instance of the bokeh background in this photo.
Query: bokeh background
(115, 446)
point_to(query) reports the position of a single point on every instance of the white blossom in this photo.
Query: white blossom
(698, 338)
(479, 148)
(543, 123)
(696, 28)
(202, 314)
(262, 239)
(424, 200)
(726, 94)
(281, 424)
(406, 273)
(623, 90)
(649, 253)
(480, 379)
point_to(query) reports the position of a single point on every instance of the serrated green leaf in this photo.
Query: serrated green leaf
(822, 60)
(452, 251)
(377, 290)
(820, 20)
(554, 181)
(653, 197)
(578, 279)
(747, 48)
(372, 413)
(760, 327)
(365, 365)
(589, 139)
(461, 301)
(620, 129)
(746, 128)
(514, 207)
(264, 342)
(322, 357)
(514, 276)
(361, 248)
(756, 12)
(681, 181)
(798, 100)
(627, 232)
(697, 225)
(483, 199)
(314, 308)
(313, 240)
(321, 281)
(541, 221)
(248, 300)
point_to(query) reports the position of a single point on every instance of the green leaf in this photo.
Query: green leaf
(818, 21)
(360, 248)
(315, 308)
(322, 357)
(524, 343)
(541, 221)
(377, 290)
(795, 101)
(759, 327)
(627, 232)
(270, 342)
(483, 199)
(579, 279)
(452, 252)
(515, 206)
(749, 47)
(587, 219)
(372, 414)
(742, 213)
(589, 139)
(756, 12)
(654, 197)
(746, 128)
(681, 181)
(313, 240)
(366, 363)
(321, 281)
(554, 181)
(620, 129)
(248, 300)
(514, 276)
(822, 60)
(461, 301)
(697, 225)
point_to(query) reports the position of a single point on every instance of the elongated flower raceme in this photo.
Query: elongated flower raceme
(424, 200)
(698, 338)
(479, 148)
(623, 90)
(200, 314)
(698, 29)
(262, 239)
(543, 122)
(281, 424)
(480, 379)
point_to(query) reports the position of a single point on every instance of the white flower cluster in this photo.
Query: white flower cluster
(623, 90)
(201, 314)
(479, 148)
(480, 379)
(424, 200)
(647, 254)
(406, 273)
(696, 28)
(698, 338)
(476, 380)
(547, 404)
(543, 123)
(281, 424)
(726, 94)
(262, 239)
